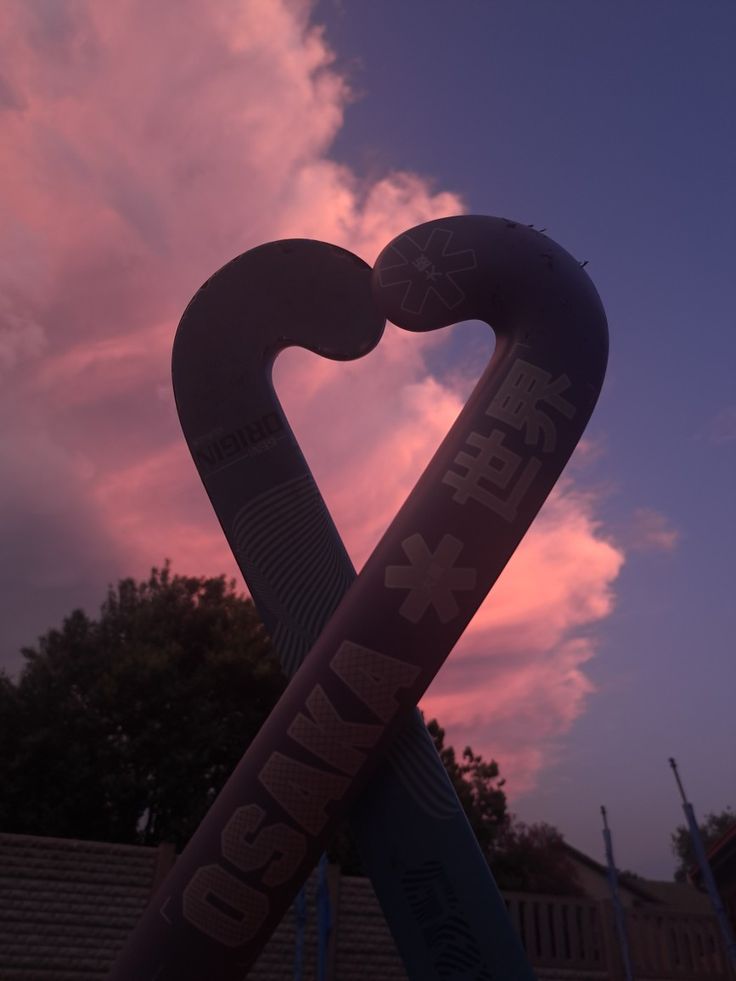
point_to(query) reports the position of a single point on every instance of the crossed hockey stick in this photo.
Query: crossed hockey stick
(374, 647)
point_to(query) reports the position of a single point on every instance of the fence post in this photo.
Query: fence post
(614, 966)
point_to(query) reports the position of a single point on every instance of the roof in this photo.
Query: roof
(639, 887)
(677, 895)
(363, 936)
(66, 906)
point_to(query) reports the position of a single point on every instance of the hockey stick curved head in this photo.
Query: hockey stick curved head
(532, 292)
(295, 292)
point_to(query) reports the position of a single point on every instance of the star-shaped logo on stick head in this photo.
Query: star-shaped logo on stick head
(431, 578)
(425, 267)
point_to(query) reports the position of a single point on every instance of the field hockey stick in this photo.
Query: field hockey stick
(377, 687)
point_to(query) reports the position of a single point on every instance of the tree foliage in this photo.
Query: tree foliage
(532, 858)
(711, 828)
(124, 727)
(478, 789)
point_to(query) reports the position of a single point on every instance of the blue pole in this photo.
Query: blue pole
(324, 913)
(300, 918)
(706, 871)
(618, 910)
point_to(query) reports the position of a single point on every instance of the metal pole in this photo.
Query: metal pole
(618, 910)
(324, 913)
(705, 870)
(300, 921)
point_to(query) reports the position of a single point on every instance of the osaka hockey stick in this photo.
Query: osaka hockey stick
(457, 530)
(411, 831)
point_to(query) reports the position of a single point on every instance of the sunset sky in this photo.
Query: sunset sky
(143, 145)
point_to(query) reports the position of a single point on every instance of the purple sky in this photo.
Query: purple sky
(143, 149)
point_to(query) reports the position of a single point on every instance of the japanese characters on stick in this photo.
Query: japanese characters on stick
(425, 579)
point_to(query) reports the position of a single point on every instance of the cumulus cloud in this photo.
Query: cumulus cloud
(520, 666)
(144, 146)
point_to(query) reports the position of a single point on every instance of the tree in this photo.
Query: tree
(132, 722)
(532, 858)
(711, 828)
(478, 789)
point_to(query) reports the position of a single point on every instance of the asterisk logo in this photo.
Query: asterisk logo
(426, 267)
(431, 578)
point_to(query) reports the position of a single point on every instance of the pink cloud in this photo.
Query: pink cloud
(144, 146)
(652, 531)
(516, 681)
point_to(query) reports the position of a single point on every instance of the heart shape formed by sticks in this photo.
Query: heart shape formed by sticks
(390, 632)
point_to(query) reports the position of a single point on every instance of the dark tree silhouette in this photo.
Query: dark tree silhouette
(478, 788)
(124, 727)
(532, 858)
(711, 828)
